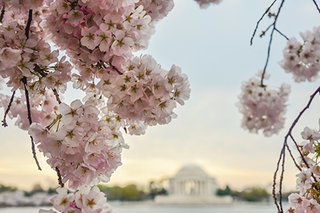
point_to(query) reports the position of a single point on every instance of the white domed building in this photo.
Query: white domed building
(192, 185)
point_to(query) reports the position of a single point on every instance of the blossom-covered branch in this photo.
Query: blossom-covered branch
(82, 141)
(302, 60)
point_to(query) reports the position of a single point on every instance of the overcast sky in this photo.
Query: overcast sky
(212, 47)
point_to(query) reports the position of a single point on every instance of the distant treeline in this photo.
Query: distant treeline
(253, 194)
(132, 192)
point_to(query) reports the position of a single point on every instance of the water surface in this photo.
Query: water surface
(152, 208)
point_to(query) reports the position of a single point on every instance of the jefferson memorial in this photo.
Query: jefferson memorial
(192, 185)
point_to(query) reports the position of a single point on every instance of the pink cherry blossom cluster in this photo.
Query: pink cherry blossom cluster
(147, 93)
(22, 6)
(83, 147)
(302, 60)
(307, 200)
(263, 107)
(85, 200)
(83, 141)
(157, 9)
(43, 108)
(206, 3)
(30, 57)
(143, 95)
(100, 36)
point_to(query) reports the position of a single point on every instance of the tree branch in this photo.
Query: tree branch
(258, 22)
(281, 33)
(294, 161)
(59, 177)
(2, 13)
(275, 179)
(113, 67)
(270, 41)
(315, 3)
(4, 122)
(27, 30)
(281, 180)
(24, 81)
(55, 92)
(273, 25)
(282, 153)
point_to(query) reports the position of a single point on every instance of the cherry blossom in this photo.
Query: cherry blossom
(206, 3)
(86, 199)
(307, 180)
(83, 140)
(302, 60)
(263, 107)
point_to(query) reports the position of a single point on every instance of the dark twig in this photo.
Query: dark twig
(2, 13)
(314, 1)
(4, 122)
(257, 25)
(39, 70)
(293, 159)
(281, 180)
(34, 153)
(59, 177)
(264, 32)
(281, 33)
(301, 155)
(55, 92)
(113, 67)
(270, 42)
(275, 178)
(27, 30)
(24, 81)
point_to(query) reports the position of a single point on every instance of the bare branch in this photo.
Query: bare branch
(59, 177)
(281, 179)
(315, 3)
(24, 81)
(4, 122)
(281, 33)
(275, 178)
(294, 161)
(57, 95)
(113, 67)
(2, 13)
(270, 41)
(27, 30)
(257, 25)
(33, 148)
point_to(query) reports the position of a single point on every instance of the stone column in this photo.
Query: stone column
(184, 187)
(177, 187)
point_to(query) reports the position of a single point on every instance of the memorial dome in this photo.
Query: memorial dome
(192, 185)
(191, 170)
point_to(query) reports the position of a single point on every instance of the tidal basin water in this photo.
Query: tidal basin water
(151, 208)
